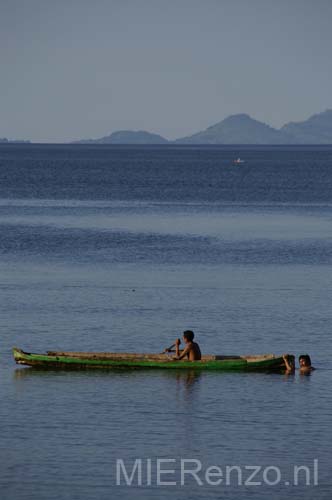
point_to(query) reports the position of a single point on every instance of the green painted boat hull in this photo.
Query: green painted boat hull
(271, 364)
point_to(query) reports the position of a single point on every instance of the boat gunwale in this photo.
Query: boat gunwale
(238, 364)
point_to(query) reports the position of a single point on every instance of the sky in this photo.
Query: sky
(72, 69)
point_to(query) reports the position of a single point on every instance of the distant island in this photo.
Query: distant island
(236, 129)
(4, 140)
(316, 130)
(127, 137)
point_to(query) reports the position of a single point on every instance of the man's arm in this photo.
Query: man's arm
(184, 353)
(177, 347)
(289, 368)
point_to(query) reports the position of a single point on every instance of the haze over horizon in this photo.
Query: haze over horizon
(74, 69)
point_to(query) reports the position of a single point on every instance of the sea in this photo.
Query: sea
(122, 248)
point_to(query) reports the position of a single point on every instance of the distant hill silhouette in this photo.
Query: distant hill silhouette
(316, 130)
(127, 137)
(237, 129)
(4, 140)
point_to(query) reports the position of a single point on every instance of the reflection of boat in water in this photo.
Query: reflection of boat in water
(79, 360)
(238, 161)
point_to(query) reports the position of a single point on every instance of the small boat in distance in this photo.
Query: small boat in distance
(238, 161)
(60, 360)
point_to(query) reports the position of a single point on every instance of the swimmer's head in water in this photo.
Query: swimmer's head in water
(304, 360)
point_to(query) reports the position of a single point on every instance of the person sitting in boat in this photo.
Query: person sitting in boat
(191, 351)
(305, 364)
(289, 360)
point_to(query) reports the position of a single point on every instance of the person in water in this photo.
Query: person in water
(305, 364)
(191, 351)
(289, 360)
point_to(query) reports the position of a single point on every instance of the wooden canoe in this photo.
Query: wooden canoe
(82, 360)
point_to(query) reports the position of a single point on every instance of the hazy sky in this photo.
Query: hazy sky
(84, 68)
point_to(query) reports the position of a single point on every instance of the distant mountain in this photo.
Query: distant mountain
(4, 140)
(316, 130)
(237, 129)
(127, 137)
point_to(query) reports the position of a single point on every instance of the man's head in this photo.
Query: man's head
(188, 336)
(304, 361)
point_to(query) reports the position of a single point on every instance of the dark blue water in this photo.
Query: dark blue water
(112, 248)
(182, 174)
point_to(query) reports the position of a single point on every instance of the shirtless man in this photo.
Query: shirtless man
(305, 364)
(191, 350)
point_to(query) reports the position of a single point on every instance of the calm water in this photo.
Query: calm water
(111, 248)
